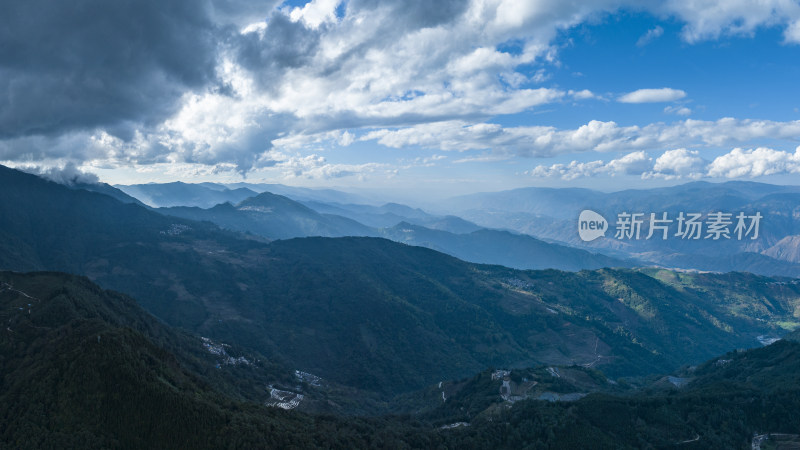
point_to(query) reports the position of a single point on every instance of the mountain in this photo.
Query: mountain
(185, 194)
(372, 318)
(519, 251)
(552, 214)
(551, 202)
(756, 263)
(378, 315)
(273, 217)
(742, 399)
(107, 189)
(561, 203)
(391, 214)
(277, 217)
(47, 225)
(88, 368)
(787, 249)
(302, 194)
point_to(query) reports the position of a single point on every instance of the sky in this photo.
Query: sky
(427, 98)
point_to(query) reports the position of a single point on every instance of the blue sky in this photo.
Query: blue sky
(425, 98)
(742, 76)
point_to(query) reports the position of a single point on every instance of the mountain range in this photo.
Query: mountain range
(545, 214)
(85, 367)
(274, 216)
(185, 194)
(552, 214)
(236, 340)
(379, 315)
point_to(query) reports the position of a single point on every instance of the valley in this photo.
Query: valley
(388, 308)
(104, 353)
(365, 326)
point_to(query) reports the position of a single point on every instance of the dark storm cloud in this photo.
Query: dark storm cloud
(81, 64)
(284, 45)
(414, 14)
(242, 12)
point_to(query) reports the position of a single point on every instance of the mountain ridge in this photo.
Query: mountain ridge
(430, 316)
(77, 375)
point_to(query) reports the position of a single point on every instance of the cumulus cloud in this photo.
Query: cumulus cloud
(316, 12)
(571, 171)
(225, 82)
(525, 141)
(652, 95)
(709, 19)
(595, 135)
(292, 79)
(218, 81)
(315, 166)
(757, 162)
(634, 163)
(681, 164)
(631, 164)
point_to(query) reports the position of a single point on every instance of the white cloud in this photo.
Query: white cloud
(634, 163)
(571, 171)
(711, 19)
(314, 166)
(584, 94)
(679, 110)
(68, 174)
(631, 164)
(761, 161)
(298, 141)
(157, 171)
(792, 32)
(316, 12)
(652, 95)
(370, 68)
(428, 75)
(652, 34)
(535, 141)
(449, 135)
(594, 136)
(420, 80)
(482, 158)
(727, 130)
(679, 163)
(420, 161)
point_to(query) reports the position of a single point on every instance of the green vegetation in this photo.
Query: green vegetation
(87, 368)
(379, 316)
